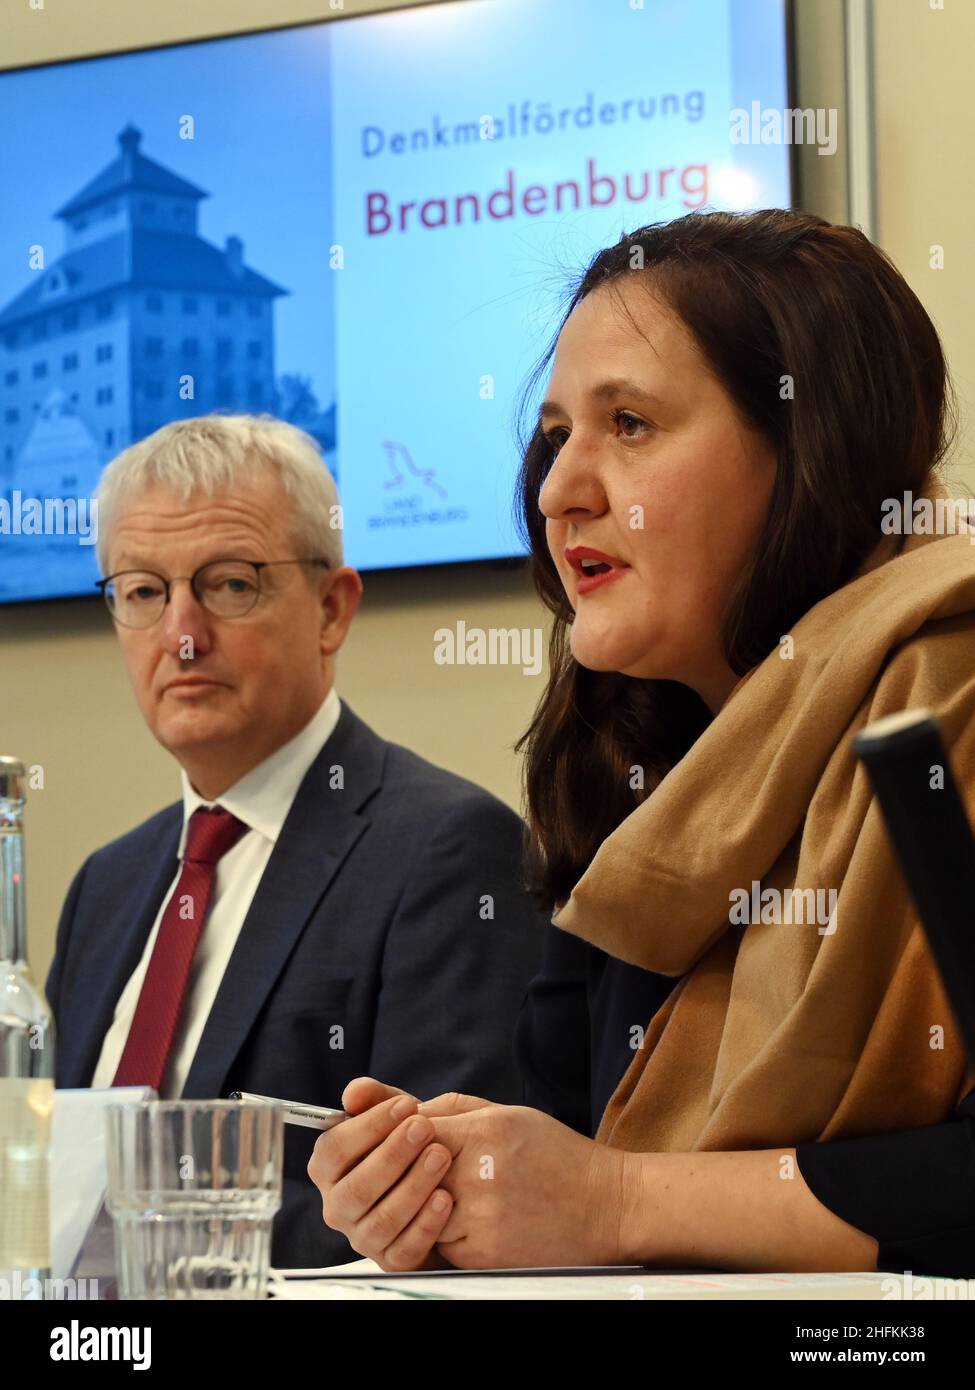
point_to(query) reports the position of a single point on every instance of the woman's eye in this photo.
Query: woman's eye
(625, 420)
(622, 419)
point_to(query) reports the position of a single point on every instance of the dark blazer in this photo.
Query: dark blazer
(388, 937)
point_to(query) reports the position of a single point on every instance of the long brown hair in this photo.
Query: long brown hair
(767, 295)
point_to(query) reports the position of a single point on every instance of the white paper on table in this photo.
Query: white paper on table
(602, 1282)
(79, 1174)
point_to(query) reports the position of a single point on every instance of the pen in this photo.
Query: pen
(311, 1116)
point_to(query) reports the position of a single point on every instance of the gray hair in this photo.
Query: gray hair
(212, 452)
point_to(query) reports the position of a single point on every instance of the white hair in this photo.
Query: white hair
(210, 453)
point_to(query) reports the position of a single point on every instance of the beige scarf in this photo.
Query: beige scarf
(805, 1023)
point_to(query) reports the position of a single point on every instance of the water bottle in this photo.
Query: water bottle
(26, 1068)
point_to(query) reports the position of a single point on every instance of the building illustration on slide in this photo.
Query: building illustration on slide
(140, 321)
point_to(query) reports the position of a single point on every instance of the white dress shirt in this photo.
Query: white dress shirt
(261, 799)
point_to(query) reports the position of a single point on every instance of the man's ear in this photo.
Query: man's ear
(340, 595)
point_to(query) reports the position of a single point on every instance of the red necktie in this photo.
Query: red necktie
(143, 1063)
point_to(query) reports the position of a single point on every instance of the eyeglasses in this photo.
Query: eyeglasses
(226, 588)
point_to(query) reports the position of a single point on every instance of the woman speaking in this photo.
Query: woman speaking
(737, 996)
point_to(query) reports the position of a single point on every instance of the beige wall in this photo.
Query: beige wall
(64, 701)
(926, 182)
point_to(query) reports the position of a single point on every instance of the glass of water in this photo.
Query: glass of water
(193, 1186)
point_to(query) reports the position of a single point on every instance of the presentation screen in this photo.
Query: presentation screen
(365, 226)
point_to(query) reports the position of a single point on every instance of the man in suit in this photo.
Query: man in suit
(321, 904)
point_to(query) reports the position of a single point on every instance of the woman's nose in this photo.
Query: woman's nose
(571, 486)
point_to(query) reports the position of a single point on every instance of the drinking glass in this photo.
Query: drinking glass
(193, 1186)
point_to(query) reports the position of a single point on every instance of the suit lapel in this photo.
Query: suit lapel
(321, 828)
(113, 952)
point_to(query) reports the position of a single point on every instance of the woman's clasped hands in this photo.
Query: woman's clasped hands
(458, 1181)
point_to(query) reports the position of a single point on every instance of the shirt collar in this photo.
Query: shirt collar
(262, 797)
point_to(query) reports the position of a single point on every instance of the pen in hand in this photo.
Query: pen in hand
(295, 1113)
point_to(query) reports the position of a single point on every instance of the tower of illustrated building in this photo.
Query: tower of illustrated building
(139, 321)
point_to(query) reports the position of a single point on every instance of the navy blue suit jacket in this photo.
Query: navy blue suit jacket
(389, 936)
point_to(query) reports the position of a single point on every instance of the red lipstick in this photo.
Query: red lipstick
(599, 567)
